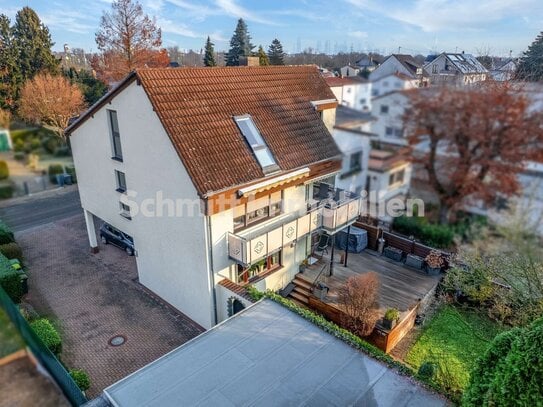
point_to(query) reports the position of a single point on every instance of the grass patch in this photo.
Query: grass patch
(453, 340)
(10, 341)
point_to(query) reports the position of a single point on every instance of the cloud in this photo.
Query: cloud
(358, 34)
(195, 10)
(218, 36)
(449, 15)
(168, 26)
(72, 21)
(231, 8)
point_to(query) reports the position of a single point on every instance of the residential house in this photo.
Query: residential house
(455, 69)
(217, 175)
(393, 82)
(353, 92)
(369, 62)
(505, 71)
(349, 70)
(352, 135)
(403, 64)
(388, 110)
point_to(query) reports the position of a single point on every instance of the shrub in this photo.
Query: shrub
(6, 190)
(392, 314)
(62, 151)
(81, 378)
(427, 371)
(10, 281)
(12, 251)
(358, 298)
(18, 145)
(440, 236)
(35, 143)
(4, 170)
(44, 329)
(6, 235)
(53, 171)
(50, 144)
(70, 170)
(19, 156)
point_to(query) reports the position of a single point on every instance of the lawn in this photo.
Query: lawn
(453, 340)
(10, 341)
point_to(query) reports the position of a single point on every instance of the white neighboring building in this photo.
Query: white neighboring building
(353, 92)
(388, 110)
(506, 71)
(349, 70)
(456, 70)
(223, 183)
(391, 83)
(401, 64)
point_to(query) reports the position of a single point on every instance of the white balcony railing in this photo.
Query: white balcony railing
(331, 217)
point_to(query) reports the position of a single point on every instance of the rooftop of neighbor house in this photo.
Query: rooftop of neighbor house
(465, 63)
(201, 108)
(347, 117)
(408, 62)
(384, 158)
(268, 355)
(344, 80)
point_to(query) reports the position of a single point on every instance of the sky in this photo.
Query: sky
(493, 27)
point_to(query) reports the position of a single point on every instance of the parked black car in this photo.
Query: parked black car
(109, 234)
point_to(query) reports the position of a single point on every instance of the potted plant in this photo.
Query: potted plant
(393, 253)
(303, 265)
(392, 316)
(434, 263)
(412, 260)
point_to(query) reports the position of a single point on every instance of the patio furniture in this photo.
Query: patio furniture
(393, 253)
(414, 261)
(324, 190)
(321, 291)
(340, 195)
(322, 245)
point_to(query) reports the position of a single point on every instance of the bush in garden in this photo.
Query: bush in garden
(35, 143)
(70, 170)
(427, 371)
(6, 190)
(19, 156)
(12, 251)
(18, 145)
(62, 151)
(81, 378)
(50, 144)
(4, 170)
(44, 329)
(10, 281)
(6, 235)
(53, 171)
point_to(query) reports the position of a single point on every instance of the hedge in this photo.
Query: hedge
(53, 171)
(439, 236)
(10, 280)
(81, 378)
(4, 170)
(44, 329)
(12, 251)
(6, 190)
(6, 235)
(70, 170)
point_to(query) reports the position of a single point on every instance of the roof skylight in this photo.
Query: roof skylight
(256, 142)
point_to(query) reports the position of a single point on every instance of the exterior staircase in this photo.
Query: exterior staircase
(301, 291)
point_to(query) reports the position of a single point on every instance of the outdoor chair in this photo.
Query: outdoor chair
(322, 245)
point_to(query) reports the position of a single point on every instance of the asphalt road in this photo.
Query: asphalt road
(41, 210)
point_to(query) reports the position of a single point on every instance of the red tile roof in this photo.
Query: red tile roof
(196, 106)
(342, 81)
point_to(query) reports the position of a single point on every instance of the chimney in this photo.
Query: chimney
(249, 61)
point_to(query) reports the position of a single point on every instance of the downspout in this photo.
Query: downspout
(211, 272)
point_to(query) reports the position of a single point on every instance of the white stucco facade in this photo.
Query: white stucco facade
(388, 111)
(352, 143)
(390, 83)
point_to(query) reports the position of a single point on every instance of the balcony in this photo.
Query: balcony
(330, 210)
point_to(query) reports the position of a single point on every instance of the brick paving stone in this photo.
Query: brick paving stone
(93, 297)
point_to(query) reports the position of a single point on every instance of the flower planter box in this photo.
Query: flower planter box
(433, 271)
(393, 253)
(414, 261)
(388, 324)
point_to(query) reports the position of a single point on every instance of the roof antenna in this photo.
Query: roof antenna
(399, 50)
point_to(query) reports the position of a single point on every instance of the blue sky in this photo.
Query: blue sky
(417, 26)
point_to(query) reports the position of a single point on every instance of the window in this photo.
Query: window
(389, 131)
(375, 92)
(385, 84)
(115, 135)
(256, 142)
(249, 274)
(121, 181)
(125, 211)
(363, 101)
(434, 68)
(257, 210)
(396, 177)
(348, 89)
(384, 109)
(355, 163)
(398, 133)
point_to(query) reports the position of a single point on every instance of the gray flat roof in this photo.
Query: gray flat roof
(268, 355)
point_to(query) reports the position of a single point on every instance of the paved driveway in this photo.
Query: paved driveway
(95, 297)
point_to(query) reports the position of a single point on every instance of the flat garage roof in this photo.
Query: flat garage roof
(268, 355)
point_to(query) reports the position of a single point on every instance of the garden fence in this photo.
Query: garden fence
(42, 353)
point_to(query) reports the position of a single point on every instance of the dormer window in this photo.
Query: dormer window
(256, 142)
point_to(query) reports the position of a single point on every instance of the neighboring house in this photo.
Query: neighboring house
(456, 70)
(389, 176)
(352, 135)
(227, 166)
(353, 92)
(349, 70)
(392, 82)
(268, 356)
(505, 71)
(401, 64)
(369, 62)
(388, 110)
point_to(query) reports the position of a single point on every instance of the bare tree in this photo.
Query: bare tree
(358, 299)
(51, 101)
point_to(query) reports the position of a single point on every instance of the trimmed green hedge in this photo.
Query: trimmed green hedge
(12, 251)
(6, 235)
(6, 189)
(10, 280)
(70, 170)
(48, 334)
(438, 236)
(81, 378)
(4, 170)
(53, 171)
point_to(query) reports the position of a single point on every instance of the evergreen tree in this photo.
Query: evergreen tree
(10, 74)
(262, 57)
(531, 63)
(275, 53)
(240, 44)
(93, 88)
(33, 43)
(209, 55)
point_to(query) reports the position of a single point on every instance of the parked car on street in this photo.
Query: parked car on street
(109, 234)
